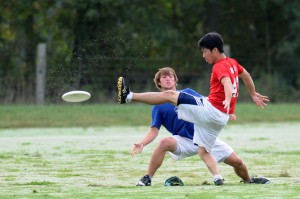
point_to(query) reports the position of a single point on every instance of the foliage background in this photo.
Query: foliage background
(92, 42)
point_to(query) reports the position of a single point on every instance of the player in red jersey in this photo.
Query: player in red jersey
(226, 69)
(209, 114)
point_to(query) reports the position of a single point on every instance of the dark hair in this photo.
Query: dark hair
(210, 41)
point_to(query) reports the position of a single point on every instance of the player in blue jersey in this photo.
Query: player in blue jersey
(180, 144)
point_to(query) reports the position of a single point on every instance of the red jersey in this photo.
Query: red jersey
(226, 67)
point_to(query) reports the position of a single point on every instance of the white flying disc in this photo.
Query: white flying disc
(76, 96)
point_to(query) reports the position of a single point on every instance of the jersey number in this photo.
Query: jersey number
(235, 87)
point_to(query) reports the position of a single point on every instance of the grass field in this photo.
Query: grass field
(82, 151)
(94, 162)
(86, 115)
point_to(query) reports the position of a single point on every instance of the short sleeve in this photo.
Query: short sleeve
(240, 68)
(156, 117)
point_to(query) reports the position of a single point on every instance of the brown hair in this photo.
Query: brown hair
(164, 71)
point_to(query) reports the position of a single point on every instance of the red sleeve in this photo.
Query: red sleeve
(221, 71)
(240, 69)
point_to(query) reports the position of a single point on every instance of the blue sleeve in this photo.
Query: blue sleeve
(156, 118)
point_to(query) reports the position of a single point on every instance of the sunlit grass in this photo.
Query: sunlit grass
(96, 164)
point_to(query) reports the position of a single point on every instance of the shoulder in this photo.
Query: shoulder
(236, 65)
(161, 107)
(222, 64)
(233, 61)
(225, 64)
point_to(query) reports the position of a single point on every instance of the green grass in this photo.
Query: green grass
(94, 162)
(70, 115)
(82, 151)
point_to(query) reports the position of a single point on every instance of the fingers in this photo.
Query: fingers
(265, 99)
(260, 100)
(232, 117)
(135, 149)
(262, 105)
(262, 97)
(132, 152)
(226, 106)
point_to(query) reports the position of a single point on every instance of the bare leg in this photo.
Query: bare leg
(166, 144)
(156, 97)
(209, 160)
(239, 166)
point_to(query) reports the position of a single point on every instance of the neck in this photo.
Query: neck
(166, 89)
(221, 56)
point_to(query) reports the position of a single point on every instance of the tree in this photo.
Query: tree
(91, 42)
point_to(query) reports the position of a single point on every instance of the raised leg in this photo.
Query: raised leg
(153, 98)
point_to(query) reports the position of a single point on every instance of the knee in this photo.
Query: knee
(235, 161)
(171, 96)
(168, 93)
(167, 144)
(202, 152)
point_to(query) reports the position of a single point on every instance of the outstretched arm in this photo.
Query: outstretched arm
(138, 146)
(258, 99)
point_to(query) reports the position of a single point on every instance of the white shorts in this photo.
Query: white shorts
(186, 148)
(208, 121)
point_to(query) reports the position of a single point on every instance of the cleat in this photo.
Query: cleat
(123, 91)
(219, 182)
(144, 181)
(260, 180)
(257, 180)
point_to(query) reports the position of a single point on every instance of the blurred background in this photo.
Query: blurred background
(48, 47)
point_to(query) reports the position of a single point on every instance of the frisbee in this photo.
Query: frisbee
(76, 96)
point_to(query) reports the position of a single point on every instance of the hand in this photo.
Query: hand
(232, 117)
(137, 148)
(260, 100)
(226, 106)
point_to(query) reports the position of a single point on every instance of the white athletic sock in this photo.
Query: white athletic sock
(129, 97)
(217, 177)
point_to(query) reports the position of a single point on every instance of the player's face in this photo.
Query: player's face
(208, 55)
(168, 82)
